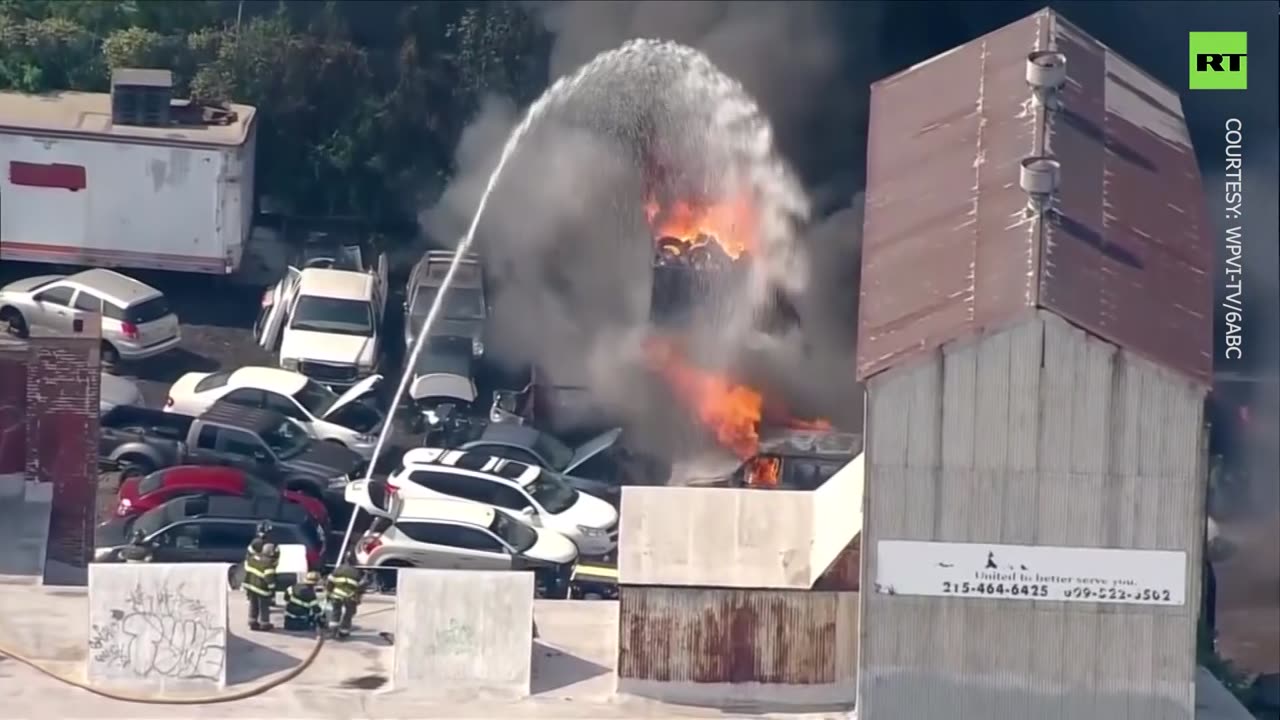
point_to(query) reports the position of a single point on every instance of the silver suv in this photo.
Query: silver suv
(136, 320)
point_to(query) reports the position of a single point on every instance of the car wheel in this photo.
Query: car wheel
(131, 465)
(339, 443)
(17, 324)
(110, 356)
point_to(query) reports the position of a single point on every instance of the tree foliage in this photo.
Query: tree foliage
(359, 103)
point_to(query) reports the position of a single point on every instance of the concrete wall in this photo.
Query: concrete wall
(725, 537)
(837, 513)
(156, 629)
(737, 537)
(1042, 436)
(727, 647)
(463, 632)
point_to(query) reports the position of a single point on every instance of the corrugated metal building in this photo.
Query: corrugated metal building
(1036, 383)
(733, 596)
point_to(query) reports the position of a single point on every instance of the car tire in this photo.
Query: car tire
(17, 324)
(135, 465)
(110, 356)
(339, 443)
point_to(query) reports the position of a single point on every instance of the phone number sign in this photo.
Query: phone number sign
(1031, 572)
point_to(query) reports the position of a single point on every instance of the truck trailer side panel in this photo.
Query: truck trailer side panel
(110, 203)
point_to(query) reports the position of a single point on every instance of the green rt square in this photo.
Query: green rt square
(1218, 61)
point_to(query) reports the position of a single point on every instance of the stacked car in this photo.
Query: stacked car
(291, 441)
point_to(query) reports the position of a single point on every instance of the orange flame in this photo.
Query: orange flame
(732, 224)
(763, 472)
(730, 410)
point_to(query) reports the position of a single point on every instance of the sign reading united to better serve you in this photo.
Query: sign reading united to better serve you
(1031, 572)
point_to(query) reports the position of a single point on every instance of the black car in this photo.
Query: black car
(205, 528)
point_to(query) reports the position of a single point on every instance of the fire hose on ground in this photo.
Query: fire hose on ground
(261, 687)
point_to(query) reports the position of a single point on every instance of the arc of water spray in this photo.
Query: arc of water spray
(446, 285)
(791, 202)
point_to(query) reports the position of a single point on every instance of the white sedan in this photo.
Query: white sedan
(325, 414)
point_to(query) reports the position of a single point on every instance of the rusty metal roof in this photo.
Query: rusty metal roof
(947, 250)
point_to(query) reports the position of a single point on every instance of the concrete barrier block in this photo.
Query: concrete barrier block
(460, 631)
(155, 628)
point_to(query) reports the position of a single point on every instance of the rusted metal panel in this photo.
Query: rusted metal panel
(948, 253)
(945, 251)
(720, 635)
(843, 573)
(1128, 255)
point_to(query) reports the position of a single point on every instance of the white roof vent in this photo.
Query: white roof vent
(1046, 74)
(1039, 180)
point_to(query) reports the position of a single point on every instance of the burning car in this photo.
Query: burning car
(797, 459)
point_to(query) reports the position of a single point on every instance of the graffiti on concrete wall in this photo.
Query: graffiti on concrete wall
(454, 639)
(161, 632)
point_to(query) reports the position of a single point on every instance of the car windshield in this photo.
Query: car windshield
(552, 493)
(286, 439)
(333, 315)
(459, 303)
(316, 398)
(519, 536)
(554, 453)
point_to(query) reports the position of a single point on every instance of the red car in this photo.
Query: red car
(140, 494)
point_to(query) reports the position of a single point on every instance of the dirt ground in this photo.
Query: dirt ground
(1249, 595)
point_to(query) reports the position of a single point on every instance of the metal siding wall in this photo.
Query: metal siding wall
(982, 444)
(721, 635)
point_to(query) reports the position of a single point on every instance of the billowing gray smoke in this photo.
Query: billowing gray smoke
(573, 299)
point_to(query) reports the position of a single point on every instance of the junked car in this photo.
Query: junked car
(202, 528)
(325, 319)
(526, 492)
(527, 444)
(261, 442)
(136, 320)
(345, 419)
(442, 391)
(456, 534)
(140, 493)
(114, 390)
(465, 310)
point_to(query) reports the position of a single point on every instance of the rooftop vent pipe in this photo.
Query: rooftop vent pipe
(1039, 180)
(1046, 74)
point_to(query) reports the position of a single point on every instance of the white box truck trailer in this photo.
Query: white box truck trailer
(130, 179)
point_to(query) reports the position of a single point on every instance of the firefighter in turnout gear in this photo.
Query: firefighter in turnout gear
(344, 590)
(302, 608)
(260, 583)
(138, 550)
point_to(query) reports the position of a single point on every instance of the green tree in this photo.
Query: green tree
(359, 103)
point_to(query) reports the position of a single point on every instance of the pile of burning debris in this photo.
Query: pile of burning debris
(711, 239)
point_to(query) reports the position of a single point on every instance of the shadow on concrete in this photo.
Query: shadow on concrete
(554, 669)
(248, 661)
